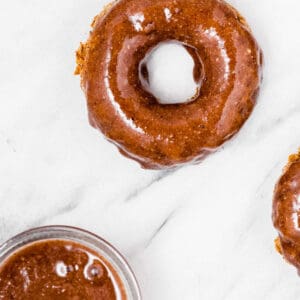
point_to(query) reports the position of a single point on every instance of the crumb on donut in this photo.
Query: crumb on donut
(294, 157)
(277, 245)
(80, 57)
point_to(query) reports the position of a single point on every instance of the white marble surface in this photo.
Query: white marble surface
(201, 232)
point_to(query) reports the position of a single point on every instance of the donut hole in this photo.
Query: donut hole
(171, 72)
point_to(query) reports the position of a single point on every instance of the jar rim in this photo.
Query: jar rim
(81, 236)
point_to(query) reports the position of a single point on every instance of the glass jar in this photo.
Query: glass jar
(79, 236)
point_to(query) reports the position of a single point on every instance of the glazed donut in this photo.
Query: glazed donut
(227, 62)
(286, 212)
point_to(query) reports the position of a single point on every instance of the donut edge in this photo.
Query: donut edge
(277, 242)
(84, 47)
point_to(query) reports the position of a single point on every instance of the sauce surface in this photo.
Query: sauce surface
(58, 269)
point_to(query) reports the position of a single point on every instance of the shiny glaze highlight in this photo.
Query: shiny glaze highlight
(163, 136)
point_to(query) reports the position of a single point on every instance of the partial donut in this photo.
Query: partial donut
(228, 63)
(286, 212)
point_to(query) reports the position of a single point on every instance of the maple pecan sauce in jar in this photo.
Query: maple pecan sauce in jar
(59, 262)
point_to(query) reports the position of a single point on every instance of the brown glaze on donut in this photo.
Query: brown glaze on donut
(286, 212)
(163, 136)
